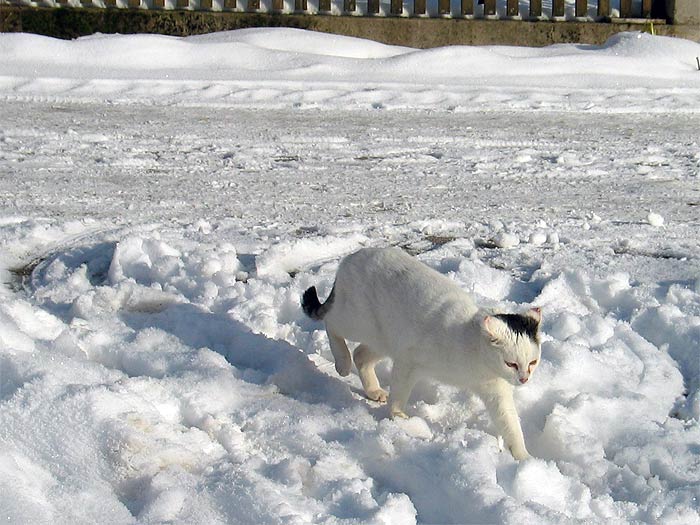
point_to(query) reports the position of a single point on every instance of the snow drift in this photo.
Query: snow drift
(289, 67)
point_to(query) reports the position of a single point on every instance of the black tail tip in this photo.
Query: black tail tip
(310, 303)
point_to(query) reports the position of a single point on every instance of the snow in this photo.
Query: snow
(655, 219)
(288, 70)
(166, 201)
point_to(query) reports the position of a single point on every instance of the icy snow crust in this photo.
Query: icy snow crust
(155, 365)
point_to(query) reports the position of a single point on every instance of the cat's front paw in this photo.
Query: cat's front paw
(343, 366)
(379, 395)
(398, 414)
(520, 454)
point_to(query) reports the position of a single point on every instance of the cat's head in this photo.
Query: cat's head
(513, 344)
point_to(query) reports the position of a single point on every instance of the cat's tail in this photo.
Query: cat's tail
(313, 307)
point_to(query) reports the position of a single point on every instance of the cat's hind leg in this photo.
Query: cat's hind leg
(365, 361)
(341, 354)
(403, 378)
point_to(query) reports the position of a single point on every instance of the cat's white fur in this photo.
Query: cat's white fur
(397, 307)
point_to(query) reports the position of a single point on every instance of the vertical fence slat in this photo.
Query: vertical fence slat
(625, 8)
(558, 8)
(535, 8)
(468, 7)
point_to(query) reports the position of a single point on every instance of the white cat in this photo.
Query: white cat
(397, 307)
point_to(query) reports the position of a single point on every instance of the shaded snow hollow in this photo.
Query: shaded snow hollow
(155, 365)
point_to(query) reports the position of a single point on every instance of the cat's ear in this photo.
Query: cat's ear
(494, 329)
(535, 313)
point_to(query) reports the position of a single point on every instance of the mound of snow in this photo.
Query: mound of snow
(206, 405)
(289, 39)
(309, 68)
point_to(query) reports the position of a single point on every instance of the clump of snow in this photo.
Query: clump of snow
(655, 219)
(506, 240)
(527, 482)
(288, 258)
(537, 238)
(415, 427)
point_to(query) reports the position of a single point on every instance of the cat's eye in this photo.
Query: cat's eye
(512, 365)
(533, 363)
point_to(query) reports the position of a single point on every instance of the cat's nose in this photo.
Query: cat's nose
(523, 380)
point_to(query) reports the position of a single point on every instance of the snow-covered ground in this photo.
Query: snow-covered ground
(166, 201)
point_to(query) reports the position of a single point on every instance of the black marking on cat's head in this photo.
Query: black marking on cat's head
(522, 325)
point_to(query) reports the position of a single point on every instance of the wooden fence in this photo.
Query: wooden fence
(582, 10)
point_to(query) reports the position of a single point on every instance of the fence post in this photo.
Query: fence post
(396, 7)
(444, 7)
(535, 8)
(512, 8)
(373, 7)
(625, 8)
(349, 6)
(489, 7)
(468, 7)
(604, 8)
(558, 9)
(683, 11)
(581, 8)
(419, 7)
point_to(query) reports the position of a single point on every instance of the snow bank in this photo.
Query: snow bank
(173, 387)
(632, 72)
